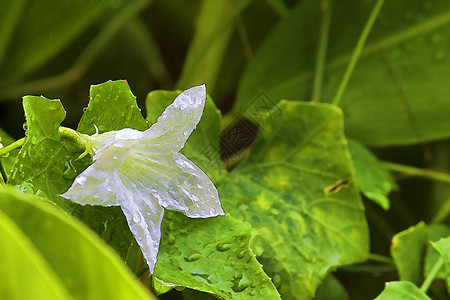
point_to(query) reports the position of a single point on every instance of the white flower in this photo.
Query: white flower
(145, 173)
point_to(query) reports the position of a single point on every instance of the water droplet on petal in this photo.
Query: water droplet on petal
(81, 180)
(136, 217)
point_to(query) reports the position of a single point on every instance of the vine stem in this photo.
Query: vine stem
(357, 52)
(325, 8)
(12, 146)
(426, 284)
(413, 171)
(80, 139)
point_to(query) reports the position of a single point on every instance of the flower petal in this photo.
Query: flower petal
(144, 216)
(193, 190)
(179, 119)
(95, 187)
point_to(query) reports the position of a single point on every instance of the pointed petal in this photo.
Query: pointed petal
(176, 182)
(144, 216)
(196, 195)
(95, 187)
(99, 184)
(179, 119)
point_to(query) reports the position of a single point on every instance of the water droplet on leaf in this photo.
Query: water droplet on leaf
(223, 246)
(192, 257)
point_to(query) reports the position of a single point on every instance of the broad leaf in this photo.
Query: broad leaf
(62, 247)
(112, 106)
(408, 251)
(297, 189)
(45, 164)
(211, 255)
(402, 290)
(24, 273)
(375, 181)
(395, 95)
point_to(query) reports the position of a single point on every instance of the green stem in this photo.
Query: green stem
(357, 52)
(380, 258)
(80, 139)
(426, 284)
(12, 146)
(413, 171)
(325, 7)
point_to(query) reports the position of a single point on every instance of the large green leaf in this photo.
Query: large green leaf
(408, 251)
(211, 255)
(112, 106)
(297, 189)
(396, 93)
(24, 273)
(45, 164)
(61, 247)
(45, 28)
(402, 290)
(375, 181)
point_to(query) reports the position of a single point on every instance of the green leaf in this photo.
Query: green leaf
(211, 255)
(408, 250)
(395, 95)
(112, 106)
(375, 181)
(402, 290)
(45, 163)
(443, 248)
(25, 274)
(63, 247)
(202, 146)
(297, 189)
(45, 28)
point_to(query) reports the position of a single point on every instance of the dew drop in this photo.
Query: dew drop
(171, 239)
(171, 226)
(192, 257)
(81, 180)
(241, 254)
(240, 283)
(223, 247)
(136, 217)
(274, 211)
